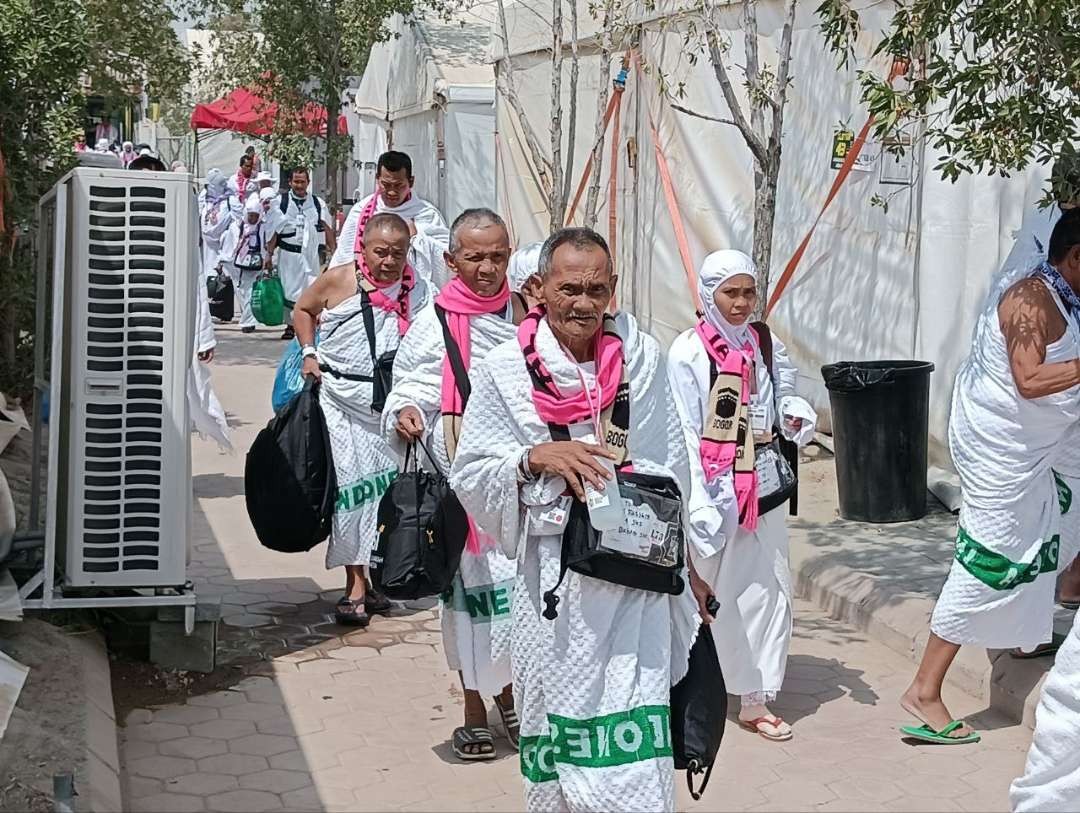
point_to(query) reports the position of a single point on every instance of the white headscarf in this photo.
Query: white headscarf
(523, 264)
(217, 186)
(253, 205)
(266, 195)
(718, 268)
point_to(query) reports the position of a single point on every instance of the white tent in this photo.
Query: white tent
(429, 91)
(874, 284)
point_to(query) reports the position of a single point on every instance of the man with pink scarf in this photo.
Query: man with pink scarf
(733, 396)
(374, 298)
(473, 313)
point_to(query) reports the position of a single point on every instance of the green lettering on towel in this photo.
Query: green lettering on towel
(352, 496)
(622, 738)
(999, 572)
(1064, 494)
(484, 602)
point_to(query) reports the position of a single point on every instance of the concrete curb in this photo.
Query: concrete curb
(856, 574)
(99, 786)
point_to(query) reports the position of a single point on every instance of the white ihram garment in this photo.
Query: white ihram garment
(592, 687)
(426, 249)
(363, 461)
(477, 617)
(1016, 458)
(1051, 780)
(243, 278)
(215, 219)
(298, 243)
(748, 570)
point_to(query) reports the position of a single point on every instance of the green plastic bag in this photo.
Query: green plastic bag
(268, 301)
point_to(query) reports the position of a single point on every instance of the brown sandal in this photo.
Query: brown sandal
(755, 725)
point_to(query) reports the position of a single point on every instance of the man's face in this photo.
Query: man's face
(577, 291)
(252, 218)
(246, 166)
(299, 184)
(394, 186)
(385, 252)
(481, 258)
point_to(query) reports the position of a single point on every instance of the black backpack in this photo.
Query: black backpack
(422, 533)
(284, 206)
(219, 291)
(289, 481)
(699, 712)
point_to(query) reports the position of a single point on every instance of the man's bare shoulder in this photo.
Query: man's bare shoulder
(1027, 310)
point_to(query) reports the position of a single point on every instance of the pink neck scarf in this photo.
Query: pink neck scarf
(242, 185)
(727, 443)
(551, 405)
(374, 288)
(461, 303)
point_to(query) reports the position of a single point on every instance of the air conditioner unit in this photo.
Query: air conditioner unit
(122, 335)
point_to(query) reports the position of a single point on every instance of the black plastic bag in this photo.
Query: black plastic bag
(699, 713)
(289, 482)
(220, 292)
(422, 533)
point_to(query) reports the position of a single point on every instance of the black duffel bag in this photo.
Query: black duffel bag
(698, 713)
(289, 481)
(422, 533)
(585, 550)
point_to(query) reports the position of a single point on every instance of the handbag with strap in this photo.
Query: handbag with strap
(776, 462)
(422, 531)
(382, 366)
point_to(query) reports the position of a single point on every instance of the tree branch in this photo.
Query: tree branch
(571, 134)
(783, 74)
(753, 67)
(556, 210)
(593, 198)
(697, 115)
(716, 56)
(505, 74)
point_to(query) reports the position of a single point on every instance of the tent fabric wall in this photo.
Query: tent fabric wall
(874, 284)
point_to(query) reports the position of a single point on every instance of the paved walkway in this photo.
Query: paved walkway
(323, 718)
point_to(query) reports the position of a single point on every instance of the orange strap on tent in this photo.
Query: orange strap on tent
(614, 105)
(899, 67)
(676, 217)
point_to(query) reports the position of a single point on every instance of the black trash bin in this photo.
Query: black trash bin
(880, 411)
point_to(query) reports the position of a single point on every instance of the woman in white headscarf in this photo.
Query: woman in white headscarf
(735, 395)
(523, 271)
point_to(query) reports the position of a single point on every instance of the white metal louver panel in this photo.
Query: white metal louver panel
(132, 251)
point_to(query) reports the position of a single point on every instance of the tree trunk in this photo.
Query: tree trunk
(593, 198)
(557, 202)
(764, 221)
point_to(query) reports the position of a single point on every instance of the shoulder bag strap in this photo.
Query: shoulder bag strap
(369, 327)
(788, 449)
(453, 352)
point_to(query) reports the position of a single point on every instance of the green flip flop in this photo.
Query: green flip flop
(927, 734)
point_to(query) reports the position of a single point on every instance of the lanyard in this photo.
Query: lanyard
(594, 407)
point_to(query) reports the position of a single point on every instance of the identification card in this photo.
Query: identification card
(759, 418)
(640, 533)
(768, 478)
(554, 516)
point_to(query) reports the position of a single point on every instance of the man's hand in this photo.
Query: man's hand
(311, 367)
(410, 424)
(574, 461)
(702, 592)
(267, 264)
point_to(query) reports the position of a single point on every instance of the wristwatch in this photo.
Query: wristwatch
(308, 350)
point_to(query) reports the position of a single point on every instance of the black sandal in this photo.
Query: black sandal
(510, 721)
(479, 741)
(376, 602)
(350, 613)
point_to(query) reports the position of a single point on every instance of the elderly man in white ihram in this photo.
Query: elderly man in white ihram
(593, 660)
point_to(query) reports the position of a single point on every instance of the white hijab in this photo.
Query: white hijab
(718, 268)
(523, 264)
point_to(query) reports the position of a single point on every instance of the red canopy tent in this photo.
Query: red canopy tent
(244, 111)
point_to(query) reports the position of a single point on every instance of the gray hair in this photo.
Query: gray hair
(472, 219)
(577, 236)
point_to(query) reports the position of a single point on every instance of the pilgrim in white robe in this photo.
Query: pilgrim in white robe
(592, 687)
(363, 461)
(215, 220)
(748, 570)
(243, 277)
(476, 617)
(207, 414)
(1016, 461)
(298, 243)
(1051, 780)
(426, 248)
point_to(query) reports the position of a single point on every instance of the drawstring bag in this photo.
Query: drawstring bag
(422, 530)
(698, 713)
(268, 300)
(219, 292)
(289, 378)
(290, 485)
